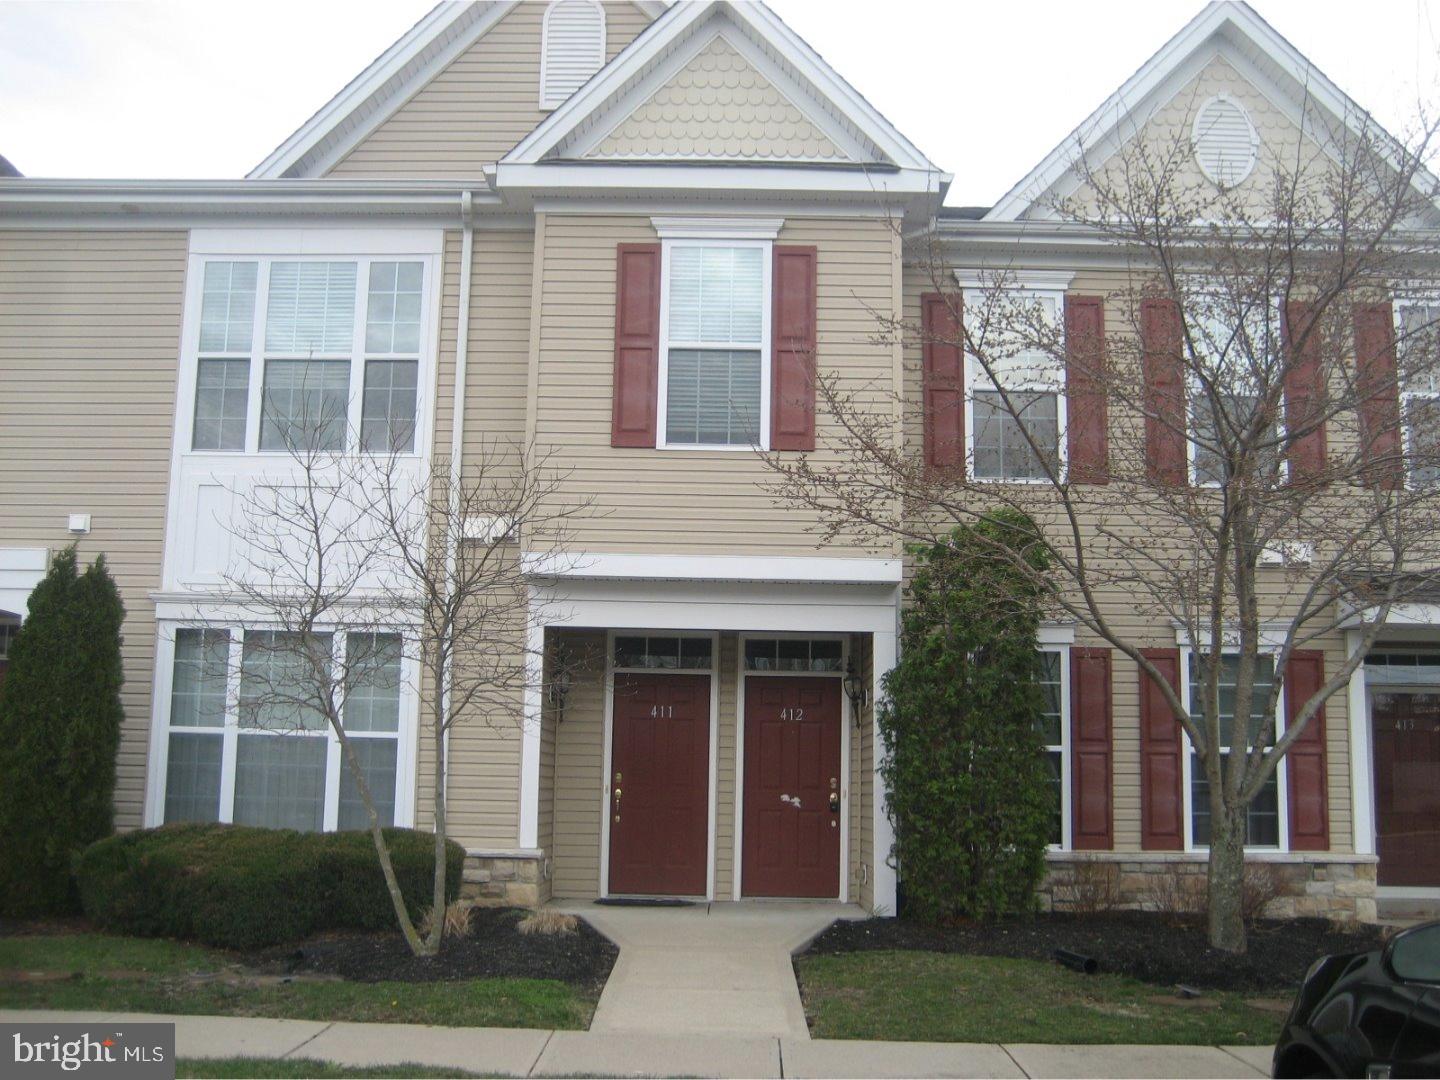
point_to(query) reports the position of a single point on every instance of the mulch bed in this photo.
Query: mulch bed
(1143, 945)
(493, 949)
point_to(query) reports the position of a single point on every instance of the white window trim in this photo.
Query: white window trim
(1193, 391)
(667, 246)
(1407, 396)
(299, 246)
(1282, 786)
(712, 809)
(976, 379)
(406, 736)
(1067, 840)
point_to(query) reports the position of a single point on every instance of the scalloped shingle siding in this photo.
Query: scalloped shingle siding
(718, 106)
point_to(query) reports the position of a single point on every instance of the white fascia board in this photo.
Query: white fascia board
(785, 568)
(1219, 17)
(1401, 615)
(371, 82)
(677, 21)
(716, 176)
(334, 197)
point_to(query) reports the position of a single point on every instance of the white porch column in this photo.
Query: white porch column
(884, 657)
(1362, 798)
(530, 721)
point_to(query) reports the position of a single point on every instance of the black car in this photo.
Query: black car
(1374, 1014)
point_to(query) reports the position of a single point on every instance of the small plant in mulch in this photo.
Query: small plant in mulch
(1148, 946)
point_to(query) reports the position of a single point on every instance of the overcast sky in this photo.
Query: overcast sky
(207, 89)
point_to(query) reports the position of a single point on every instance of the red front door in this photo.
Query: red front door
(1406, 729)
(660, 785)
(791, 843)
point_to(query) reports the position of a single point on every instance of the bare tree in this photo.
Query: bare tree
(1236, 465)
(365, 571)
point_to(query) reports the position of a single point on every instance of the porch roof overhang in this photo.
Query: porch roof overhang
(777, 569)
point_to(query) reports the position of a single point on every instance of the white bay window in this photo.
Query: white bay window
(243, 741)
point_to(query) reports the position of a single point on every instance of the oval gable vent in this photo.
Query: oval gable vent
(572, 49)
(1225, 141)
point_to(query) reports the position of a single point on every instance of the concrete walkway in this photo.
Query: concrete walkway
(708, 969)
(527, 1052)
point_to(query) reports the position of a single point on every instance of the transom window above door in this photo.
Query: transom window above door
(663, 652)
(794, 654)
(715, 351)
(309, 355)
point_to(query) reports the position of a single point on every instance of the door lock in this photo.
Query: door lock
(834, 802)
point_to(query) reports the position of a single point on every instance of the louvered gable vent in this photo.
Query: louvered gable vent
(573, 48)
(1225, 142)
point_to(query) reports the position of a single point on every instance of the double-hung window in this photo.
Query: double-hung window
(715, 344)
(1054, 729)
(1419, 338)
(1017, 407)
(246, 741)
(1263, 823)
(1233, 349)
(299, 355)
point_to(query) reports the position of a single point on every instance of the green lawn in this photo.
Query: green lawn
(224, 1068)
(941, 997)
(146, 975)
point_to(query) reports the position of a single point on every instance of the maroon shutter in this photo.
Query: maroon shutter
(1161, 805)
(1164, 374)
(792, 360)
(943, 376)
(1304, 394)
(1309, 803)
(637, 344)
(1087, 437)
(1379, 393)
(1091, 821)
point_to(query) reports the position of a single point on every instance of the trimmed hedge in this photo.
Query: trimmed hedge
(244, 888)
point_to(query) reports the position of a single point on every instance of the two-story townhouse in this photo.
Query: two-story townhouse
(621, 233)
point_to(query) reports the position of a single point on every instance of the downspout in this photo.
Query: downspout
(457, 435)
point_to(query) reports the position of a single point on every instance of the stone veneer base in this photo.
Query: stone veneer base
(505, 879)
(1325, 885)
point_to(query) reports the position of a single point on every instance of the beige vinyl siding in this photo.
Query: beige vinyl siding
(499, 346)
(726, 772)
(474, 111)
(689, 501)
(1143, 628)
(580, 773)
(89, 341)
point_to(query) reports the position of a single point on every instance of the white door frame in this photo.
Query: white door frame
(847, 724)
(713, 672)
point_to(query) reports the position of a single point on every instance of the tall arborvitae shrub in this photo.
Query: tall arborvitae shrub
(60, 720)
(970, 798)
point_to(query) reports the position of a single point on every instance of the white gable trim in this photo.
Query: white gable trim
(753, 19)
(397, 75)
(1185, 55)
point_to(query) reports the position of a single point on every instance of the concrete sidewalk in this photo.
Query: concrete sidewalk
(708, 969)
(529, 1052)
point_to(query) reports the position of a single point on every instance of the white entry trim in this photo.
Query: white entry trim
(847, 723)
(778, 568)
(714, 752)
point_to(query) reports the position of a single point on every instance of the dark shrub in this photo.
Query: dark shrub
(970, 798)
(243, 888)
(60, 719)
